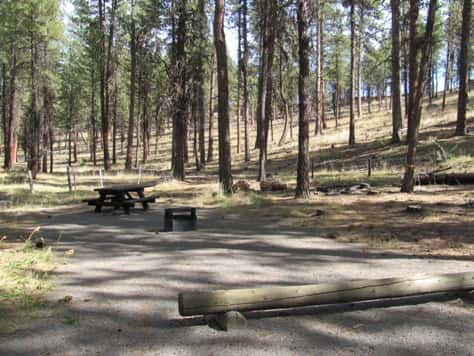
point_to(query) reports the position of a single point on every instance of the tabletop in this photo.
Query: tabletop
(124, 188)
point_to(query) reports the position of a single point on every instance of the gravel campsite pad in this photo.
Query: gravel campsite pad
(118, 293)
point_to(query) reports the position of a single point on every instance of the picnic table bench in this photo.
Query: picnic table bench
(122, 197)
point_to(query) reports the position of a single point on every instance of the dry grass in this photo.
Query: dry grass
(335, 163)
(26, 275)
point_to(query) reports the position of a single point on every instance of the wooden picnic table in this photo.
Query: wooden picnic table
(123, 197)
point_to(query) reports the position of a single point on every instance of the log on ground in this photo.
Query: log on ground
(445, 178)
(273, 186)
(221, 301)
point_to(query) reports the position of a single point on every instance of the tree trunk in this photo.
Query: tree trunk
(359, 59)
(201, 82)
(245, 60)
(239, 77)
(146, 118)
(114, 121)
(195, 119)
(302, 177)
(103, 87)
(133, 74)
(417, 79)
(352, 74)
(225, 169)
(284, 102)
(11, 152)
(180, 100)
(317, 126)
(93, 119)
(210, 150)
(35, 116)
(396, 98)
(264, 110)
(464, 68)
(322, 97)
(108, 76)
(4, 114)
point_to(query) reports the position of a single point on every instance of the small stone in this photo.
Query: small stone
(332, 235)
(414, 209)
(231, 321)
(67, 299)
(69, 253)
(373, 192)
(319, 212)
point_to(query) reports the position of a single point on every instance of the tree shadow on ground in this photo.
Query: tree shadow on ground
(125, 277)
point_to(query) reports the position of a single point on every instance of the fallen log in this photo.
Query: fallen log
(273, 186)
(445, 178)
(221, 301)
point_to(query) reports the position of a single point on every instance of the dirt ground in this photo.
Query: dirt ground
(118, 293)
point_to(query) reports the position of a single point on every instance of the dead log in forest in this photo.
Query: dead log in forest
(273, 186)
(445, 178)
(221, 301)
(353, 188)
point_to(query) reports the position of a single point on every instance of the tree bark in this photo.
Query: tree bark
(225, 169)
(4, 114)
(352, 79)
(103, 87)
(396, 93)
(319, 58)
(180, 100)
(210, 150)
(302, 177)
(264, 107)
(464, 68)
(201, 83)
(133, 79)
(12, 132)
(93, 119)
(35, 116)
(244, 68)
(418, 75)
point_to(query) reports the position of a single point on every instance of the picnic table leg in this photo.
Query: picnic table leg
(120, 202)
(98, 205)
(141, 194)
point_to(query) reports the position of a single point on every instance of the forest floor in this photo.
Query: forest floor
(117, 293)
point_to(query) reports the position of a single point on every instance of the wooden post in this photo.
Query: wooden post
(73, 179)
(312, 169)
(101, 178)
(221, 301)
(31, 181)
(69, 179)
(139, 173)
(369, 167)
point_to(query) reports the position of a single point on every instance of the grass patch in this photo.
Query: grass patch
(25, 273)
(379, 178)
